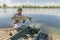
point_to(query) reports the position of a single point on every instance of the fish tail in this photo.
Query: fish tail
(30, 18)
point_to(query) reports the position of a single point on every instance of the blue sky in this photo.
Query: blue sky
(37, 1)
(30, 1)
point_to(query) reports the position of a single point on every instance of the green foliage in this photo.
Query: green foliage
(0, 6)
(14, 7)
(30, 6)
(4, 5)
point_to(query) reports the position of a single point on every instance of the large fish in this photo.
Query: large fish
(22, 18)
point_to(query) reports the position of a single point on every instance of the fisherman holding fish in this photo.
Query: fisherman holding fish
(19, 20)
(17, 23)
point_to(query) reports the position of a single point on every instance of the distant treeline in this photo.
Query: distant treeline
(29, 6)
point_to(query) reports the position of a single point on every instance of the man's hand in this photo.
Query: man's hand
(16, 21)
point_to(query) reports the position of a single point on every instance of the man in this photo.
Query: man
(18, 25)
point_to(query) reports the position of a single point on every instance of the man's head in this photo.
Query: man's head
(19, 11)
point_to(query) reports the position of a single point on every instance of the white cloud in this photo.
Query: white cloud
(8, 2)
(5, 1)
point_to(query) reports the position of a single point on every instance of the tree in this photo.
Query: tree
(14, 6)
(4, 5)
(0, 6)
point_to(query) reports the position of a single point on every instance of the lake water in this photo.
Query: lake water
(50, 17)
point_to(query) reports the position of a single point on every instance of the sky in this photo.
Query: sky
(32, 2)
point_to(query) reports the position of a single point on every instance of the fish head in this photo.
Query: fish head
(13, 18)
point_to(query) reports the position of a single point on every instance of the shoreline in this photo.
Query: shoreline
(4, 34)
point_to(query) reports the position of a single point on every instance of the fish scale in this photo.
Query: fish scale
(21, 18)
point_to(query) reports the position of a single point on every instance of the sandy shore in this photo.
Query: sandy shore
(4, 33)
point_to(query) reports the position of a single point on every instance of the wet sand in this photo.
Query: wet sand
(54, 32)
